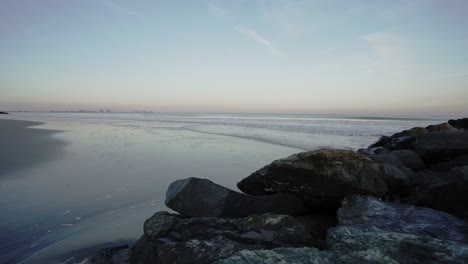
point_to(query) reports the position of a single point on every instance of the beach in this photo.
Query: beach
(75, 181)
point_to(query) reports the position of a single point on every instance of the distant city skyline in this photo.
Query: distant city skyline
(359, 57)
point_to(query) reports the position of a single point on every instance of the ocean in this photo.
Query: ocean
(102, 174)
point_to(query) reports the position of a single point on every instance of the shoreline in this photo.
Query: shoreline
(24, 146)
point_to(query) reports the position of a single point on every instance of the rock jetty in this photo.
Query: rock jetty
(404, 199)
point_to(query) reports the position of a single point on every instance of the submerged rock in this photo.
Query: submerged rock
(170, 238)
(323, 178)
(202, 197)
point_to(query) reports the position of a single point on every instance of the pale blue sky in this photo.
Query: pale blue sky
(402, 57)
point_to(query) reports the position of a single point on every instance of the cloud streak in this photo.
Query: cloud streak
(255, 36)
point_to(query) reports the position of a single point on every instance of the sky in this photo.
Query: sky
(260, 56)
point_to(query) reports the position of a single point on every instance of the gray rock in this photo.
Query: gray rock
(372, 231)
(371, 247)
(323, 178)
(442, 145)
(408, 158)
(444, 191)
(170, 238)
(282, 255)
(202, 197)
(361, 214)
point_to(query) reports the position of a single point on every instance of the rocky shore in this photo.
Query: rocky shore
(404, 199)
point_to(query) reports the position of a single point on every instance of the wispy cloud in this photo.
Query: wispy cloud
(255, 36)
(215, 9)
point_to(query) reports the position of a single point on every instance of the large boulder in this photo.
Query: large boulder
(202, 197)
(459, 123)
(443, 191)
(372, 231)
(442, 145)
(372, 247)
(408, 158)
(361, 214)
(450, 164)
(170, 238)
(323, 178)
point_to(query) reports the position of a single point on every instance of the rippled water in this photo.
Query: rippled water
(113, 169)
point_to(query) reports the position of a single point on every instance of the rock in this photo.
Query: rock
(372, 231)
(459, 123)
(445, 192)
(202, 197)
(442, 145)
(282, 255)
(413, 132)
(382, 141)
(438, 127)
(3, 113)
(361, 214)
(450, 164)
(170, 238)
(408, 158)
(321, 178)
(389, 247)
(371, 247)
(112, 255)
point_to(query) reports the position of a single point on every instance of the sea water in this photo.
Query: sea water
(114, 169)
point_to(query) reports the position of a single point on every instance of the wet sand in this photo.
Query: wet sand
(23, 146)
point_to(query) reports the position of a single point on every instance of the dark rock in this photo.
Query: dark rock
(361, 214)
(382, 141)
(408, 158)
(459, 123)
(438, 127)
(321, 178)
(450, 164)
(413, 132)
(442, 145)
(317, 224)
(3, 113)
(404, 142)
(170, 238)
(445, 192)
(202, 197)
(425, 178)
(112, 255)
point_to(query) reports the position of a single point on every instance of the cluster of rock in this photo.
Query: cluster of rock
(402, 200)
